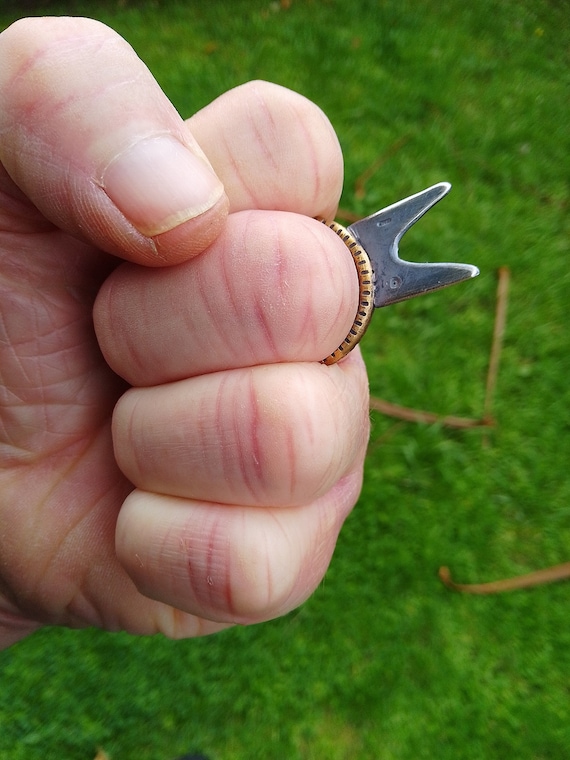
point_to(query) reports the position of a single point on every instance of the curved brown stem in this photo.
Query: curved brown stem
(418, 415)
(537, 578)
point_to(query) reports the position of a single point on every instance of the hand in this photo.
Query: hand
(188, 464)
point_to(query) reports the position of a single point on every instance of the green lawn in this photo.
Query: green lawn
(382, 663)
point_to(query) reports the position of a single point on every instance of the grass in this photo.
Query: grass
(383, 662)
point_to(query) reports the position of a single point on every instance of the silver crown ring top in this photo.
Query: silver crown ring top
(384, 278)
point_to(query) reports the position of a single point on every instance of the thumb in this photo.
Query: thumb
(91, 139)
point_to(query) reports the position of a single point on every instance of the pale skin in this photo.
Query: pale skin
(173, 456)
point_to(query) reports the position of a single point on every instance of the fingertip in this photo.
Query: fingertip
(228, 563)
(278, 151)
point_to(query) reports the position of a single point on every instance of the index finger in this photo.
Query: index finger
(273, 149)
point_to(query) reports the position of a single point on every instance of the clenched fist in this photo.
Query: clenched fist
(173, 456)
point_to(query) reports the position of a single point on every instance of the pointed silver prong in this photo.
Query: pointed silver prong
(379, 234)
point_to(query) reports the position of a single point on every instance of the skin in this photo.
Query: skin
(173, 456)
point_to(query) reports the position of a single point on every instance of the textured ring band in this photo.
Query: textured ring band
(365, 293)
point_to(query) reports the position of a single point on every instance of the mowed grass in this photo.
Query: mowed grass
(383, 662)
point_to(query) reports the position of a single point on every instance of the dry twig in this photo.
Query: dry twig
(497, 344)
(417, 415)
(360, 184)
(348, 216)
(537, 578)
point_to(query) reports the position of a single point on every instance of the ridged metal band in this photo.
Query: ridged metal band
(365, 291)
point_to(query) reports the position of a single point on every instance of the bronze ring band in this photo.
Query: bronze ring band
(365, 293)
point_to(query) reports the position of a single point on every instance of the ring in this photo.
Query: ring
(365, 293)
